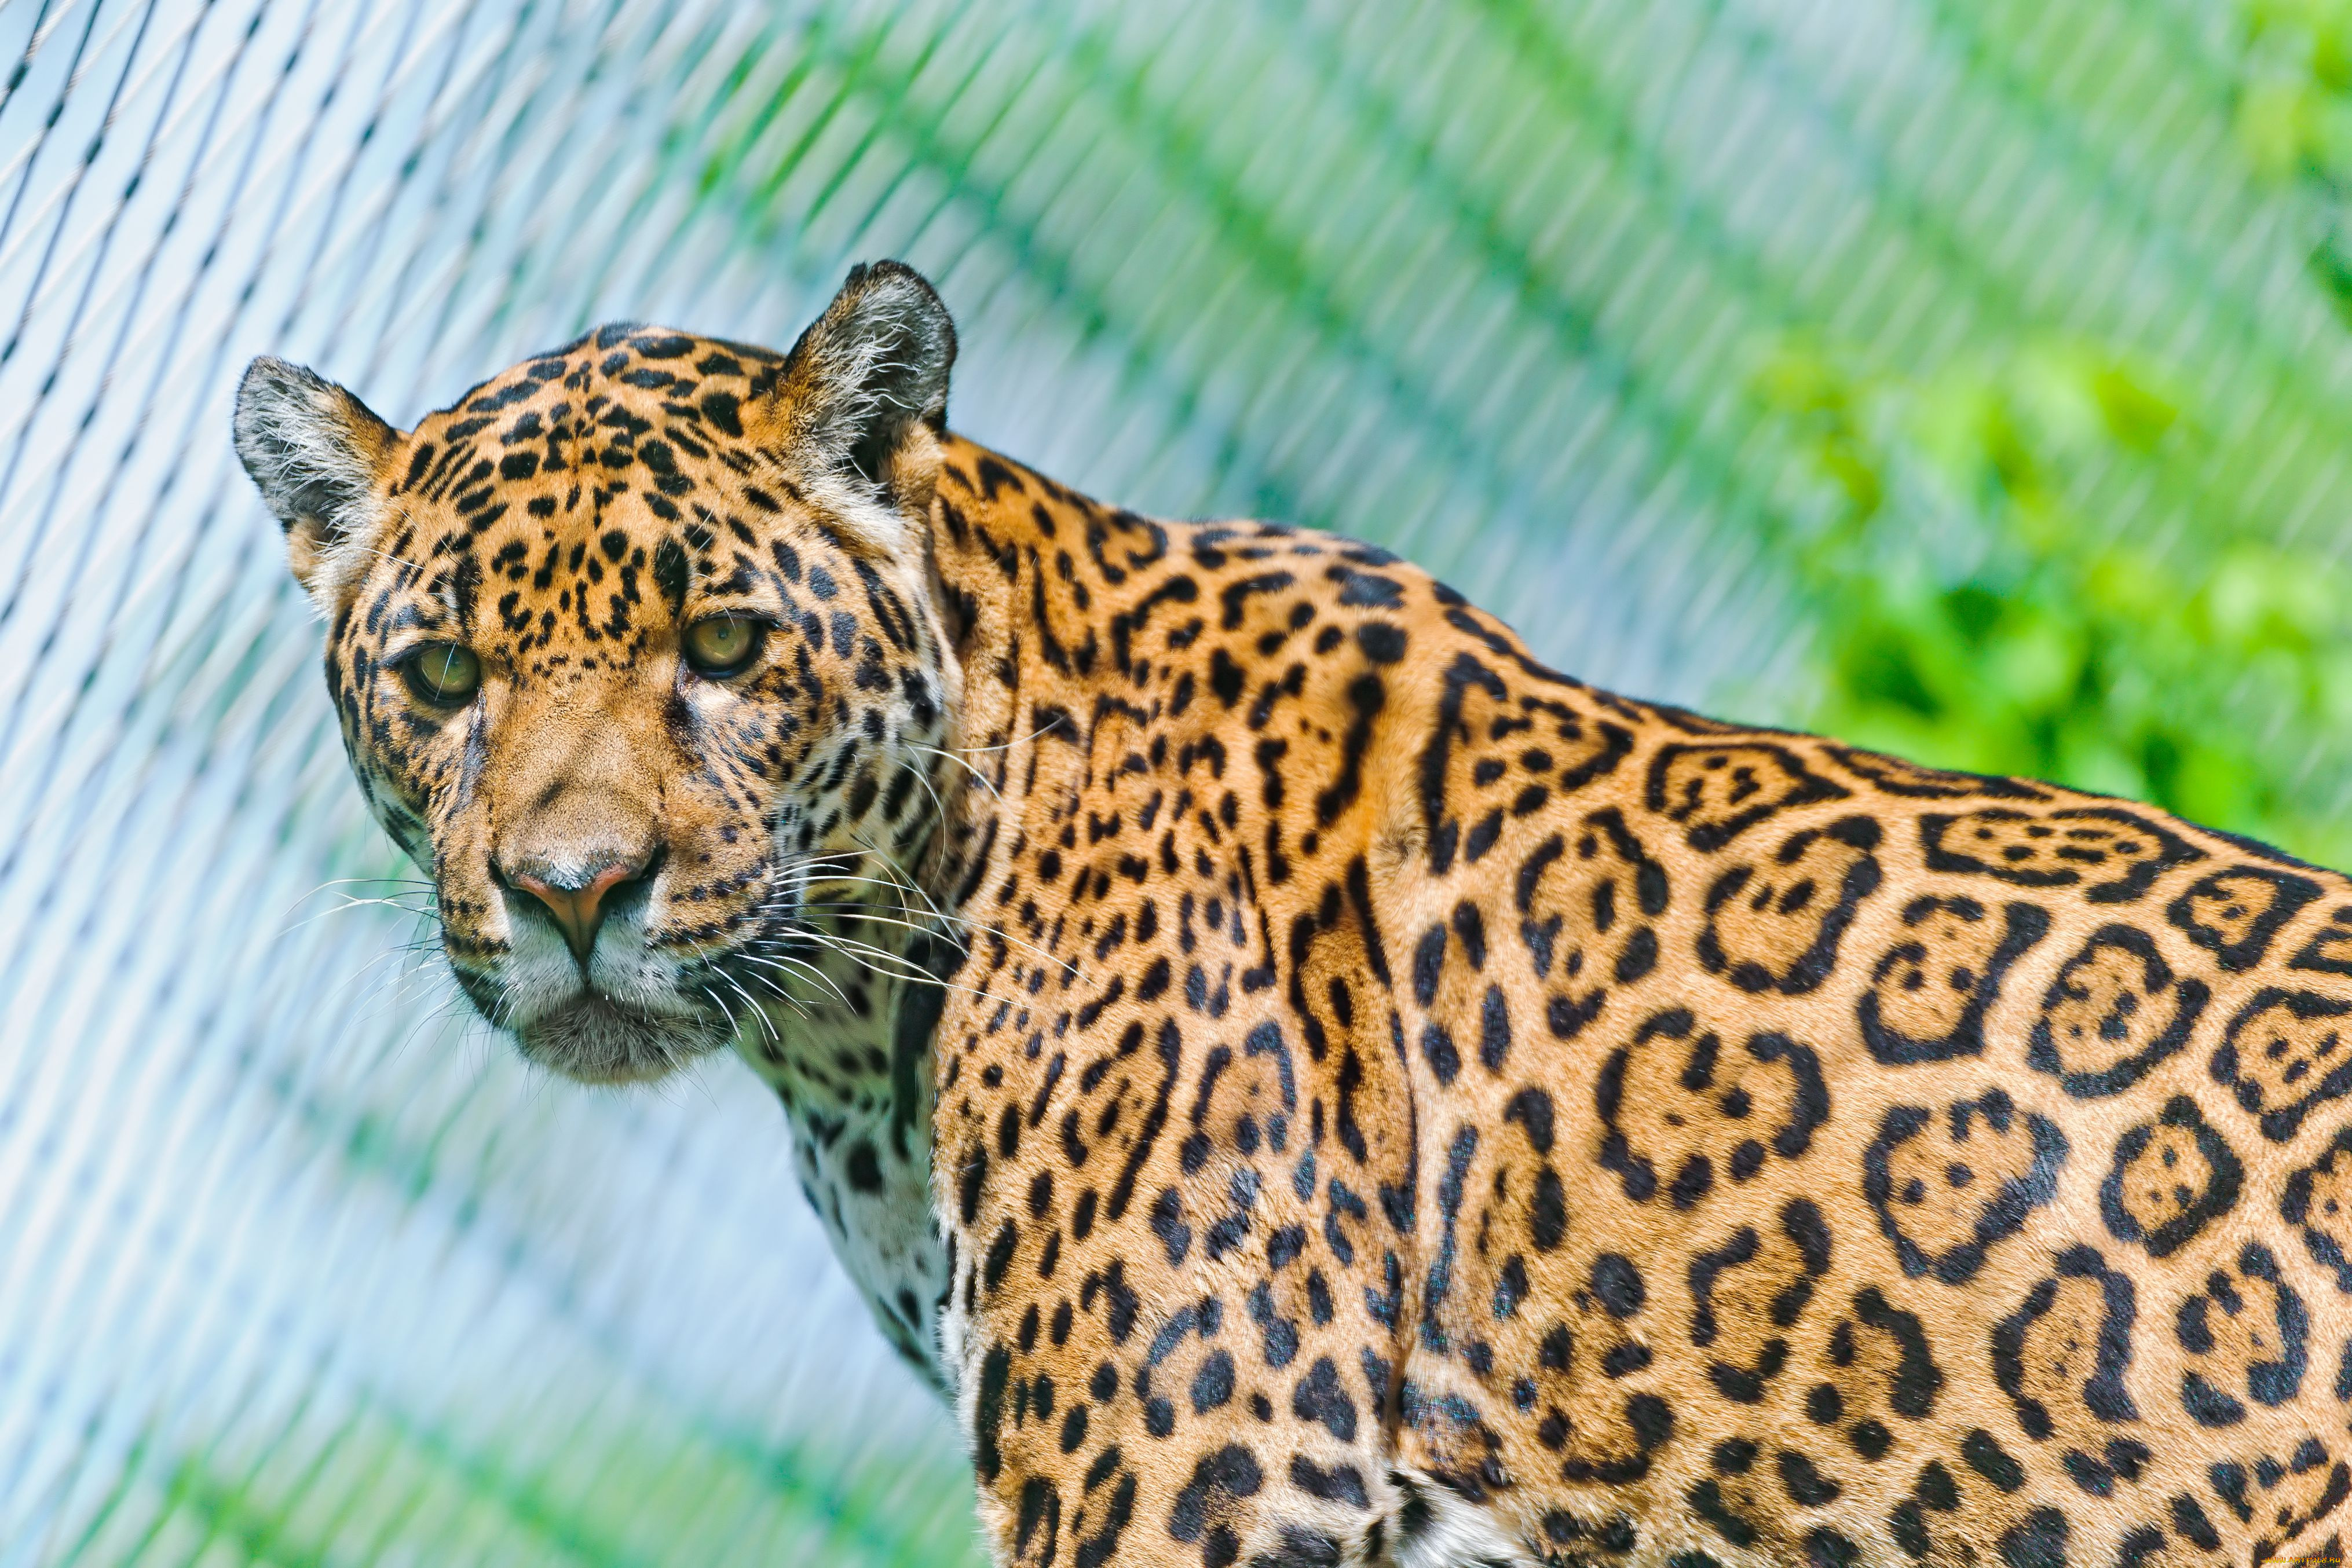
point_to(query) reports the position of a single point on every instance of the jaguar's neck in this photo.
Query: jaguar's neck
(846, 1045)
(851, 1052)
(991, 518)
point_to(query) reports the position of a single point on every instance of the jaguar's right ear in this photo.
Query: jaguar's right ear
(319, 455)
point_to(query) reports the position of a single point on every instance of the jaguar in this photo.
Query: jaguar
(1309, 1083)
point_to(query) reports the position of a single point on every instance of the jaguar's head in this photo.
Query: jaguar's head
(631, 645)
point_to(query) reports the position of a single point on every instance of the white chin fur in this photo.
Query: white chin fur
(625, 1023)
(595, 1040)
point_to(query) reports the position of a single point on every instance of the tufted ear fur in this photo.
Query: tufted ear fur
(317, 453)
(864, 391)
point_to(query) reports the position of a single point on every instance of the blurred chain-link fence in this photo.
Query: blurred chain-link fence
(297, 1266)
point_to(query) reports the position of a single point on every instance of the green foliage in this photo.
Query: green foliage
(1970, 610)
(316, 1490)
(2294, 107)
(2295, 118)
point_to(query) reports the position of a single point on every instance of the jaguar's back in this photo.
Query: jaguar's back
(1653, 1141)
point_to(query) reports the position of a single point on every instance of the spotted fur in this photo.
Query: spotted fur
(1337, 1091)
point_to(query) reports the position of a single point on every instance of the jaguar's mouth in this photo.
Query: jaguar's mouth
(596, 1039)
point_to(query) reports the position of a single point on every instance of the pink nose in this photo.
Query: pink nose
(578, 910)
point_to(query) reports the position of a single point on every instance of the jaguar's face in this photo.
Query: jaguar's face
(631, 646)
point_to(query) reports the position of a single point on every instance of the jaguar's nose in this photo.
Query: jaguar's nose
(578, 897)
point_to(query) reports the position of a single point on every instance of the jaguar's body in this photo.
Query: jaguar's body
(1388, 1103)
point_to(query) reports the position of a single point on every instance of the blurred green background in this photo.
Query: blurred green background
(1965, 378)
(2000, 348)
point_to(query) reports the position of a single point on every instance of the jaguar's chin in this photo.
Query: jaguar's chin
(596, 1039)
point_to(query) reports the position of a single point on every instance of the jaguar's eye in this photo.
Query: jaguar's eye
(442, 676)
(720, 645)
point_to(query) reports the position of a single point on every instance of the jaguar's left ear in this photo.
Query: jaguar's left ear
(865, 391)
(319, 455)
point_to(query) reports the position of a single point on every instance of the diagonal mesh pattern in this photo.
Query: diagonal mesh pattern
(296, 1264)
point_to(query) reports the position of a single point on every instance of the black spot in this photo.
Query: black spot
(671, 574)
(975, 1173)
(1225, 677)
(1909, 1528)
(1623, 1360)
(1212, 1385)
(1341, 1483)
(1229, 1474)
(1302, 1547)
(1383, 642)
(1428, 965)
(1041, 1505)
(1319, 1397)
(1437, 1049)
(1097, 1549)
(2191, 1520)
(2040, 1542)
(1548, 1211)
(1285, 1245)
(1362, 589)
(1278, 1335)
(1651, 1419)
(719, 408)
(988, 1411)
(1706, 1501)
(1618, 1283)
(1990, 1460)
(999, 1256)
(1125, 1305)
(1168, 1223)
(1828, 1549)
(1494, 1030)
(1807, 1487)
(1918, 1379)
(1532, 1109)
